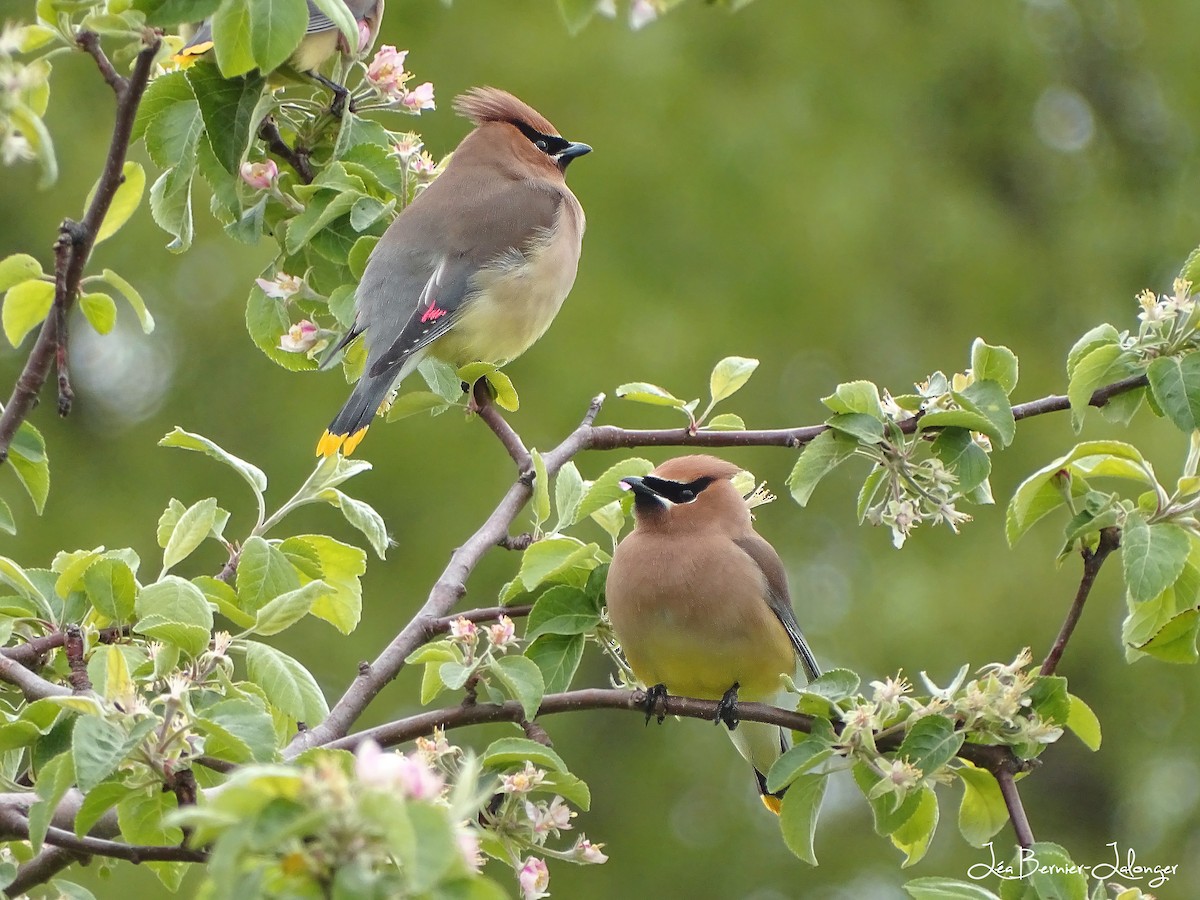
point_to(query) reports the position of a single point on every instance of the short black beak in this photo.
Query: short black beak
(570, 152)
(638, 486)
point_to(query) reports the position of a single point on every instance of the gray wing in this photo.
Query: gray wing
(778, 599)
(317, 20)
(420, 276)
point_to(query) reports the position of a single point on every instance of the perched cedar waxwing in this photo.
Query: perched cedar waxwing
(699, 602)
(321, 40)
(476, 268)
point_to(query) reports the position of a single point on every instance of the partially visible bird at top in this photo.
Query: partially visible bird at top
(322, 39)
(474, 269)
(700, 605)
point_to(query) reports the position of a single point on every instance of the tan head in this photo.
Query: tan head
(513, 135)
(689, 493)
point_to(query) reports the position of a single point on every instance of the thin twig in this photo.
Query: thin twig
(486, 410)
(485, 614)
(1110, 540)
(37, 366)
(30, 653)
(33, 686)
(48, 863)
(1016, 810)
(15, 823)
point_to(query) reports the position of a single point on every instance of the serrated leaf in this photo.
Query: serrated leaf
(652, 394)
(362, 516)
(554, 556)
(189, 532)
(914, 836)
(562, 610)
(243, 730)
(512, 751)
(558, 657)
(933, 888)
(263, 574)
(25, 307)
(98, 801)
(27, 456)
(822, 455)
(97, 746)
(1098, 367)
(1152, 556)
(568, 492)
(110, 587)
(540, 501)
(930, 743)
(175, 611)
(228, 108)
(53, 782)
(289, 685)
(289, 608)
(859, 426)
(607, 487)
(1175, 384)
(522, 680)
(1176, 641)
(797, 761)
(340, 566)
(856, 397)
(798, 815)
(414, 402)
(725, 422)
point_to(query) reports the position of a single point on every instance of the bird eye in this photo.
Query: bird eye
(542, 145)
(686, 496)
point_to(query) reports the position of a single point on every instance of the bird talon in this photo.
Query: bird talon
(656, 702)
(727, 708)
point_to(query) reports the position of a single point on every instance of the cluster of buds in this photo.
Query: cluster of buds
(1168, 322)
(998, 703)
(386, 74)
(501, 635)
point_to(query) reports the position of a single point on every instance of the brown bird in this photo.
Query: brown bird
(476, 268)
(700, 604)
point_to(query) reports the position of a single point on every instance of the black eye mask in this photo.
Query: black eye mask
(675, 491)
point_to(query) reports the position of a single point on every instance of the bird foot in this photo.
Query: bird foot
(656, 702)
(727, 708)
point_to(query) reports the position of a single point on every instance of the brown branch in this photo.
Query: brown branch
(1016, 810)
(993, 758)
(33, 686)
(82, 235)
(15, 823)
(296, 158)
(79, 680)
(30, 653)
(450, 587)
(1110, 540)
(48, 863)
(486, 410)
(485, 614)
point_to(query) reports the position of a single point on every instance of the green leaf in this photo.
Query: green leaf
(100, 310)
(798, 815)
(16, 576)
(552, 557)
(340, 566)
(856, 397)
(990, 399)
(1176, 641)
(110, 587)
(98, 746)
(134, 299)
(239, 731)
(189, 532)
(1104, 364)
(357, 260)
(174, 12)
(994, 363)
(98, 801)
(414, 402)
(175, 611)
(1056, 875)
(7, 522)
(652, 394)
(231, 39)
(726, 422)
(962, 456)
(25, 307)
(187, 441)
(17, 268)
(1096, 337)
(1153, 556)
(930, 743)
(289, 608)
(541, 491)
(171, 204)
(34, 130)
(522, 680)
(607, 487)
(1084, 723)
(289, 686)
(71, 567)
(362, 516)
(729, 376)
(1175, 384)
(914, 836)
(836, 684)
(263, 574)
(558, 657)
(1049, 698)
(141, 820)
(513, 751)
(322, 209)
(822, 455)
(228, 107)
(797, 761)
(982, 812)
(27, 456)
(53, 782)
(933, 888)
(562, 610)
(568, 492)
(125, 201)
(859, 426)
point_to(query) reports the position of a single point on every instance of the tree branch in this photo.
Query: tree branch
(296, 158)
(33, 686)
(72, 261)
(1110, 540)
(486, 410)
(1016, 811)
(48, 863)
(485, 614)
(14, 823)
(29, 653)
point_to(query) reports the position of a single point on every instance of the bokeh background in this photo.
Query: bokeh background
(842, 190)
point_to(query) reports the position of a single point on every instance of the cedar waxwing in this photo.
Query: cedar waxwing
(475, 268)
(321, 40)
(699, 602)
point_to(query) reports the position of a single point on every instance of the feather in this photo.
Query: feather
(489, 104)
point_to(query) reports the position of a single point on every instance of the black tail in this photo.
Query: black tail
(350, 424)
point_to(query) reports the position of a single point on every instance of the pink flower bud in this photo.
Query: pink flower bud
(502, 634)
(281, 287)
(586, 851)
(411, 776)
(534, 878)
(386, 72)
(419, 98)
(300, 338)
(260, 175)
(365, 35)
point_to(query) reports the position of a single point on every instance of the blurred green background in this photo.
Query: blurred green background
(842, 190)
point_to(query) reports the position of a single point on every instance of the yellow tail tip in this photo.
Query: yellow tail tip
(771, 802)
(188, 55)
(354, 440)
(329, 444)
